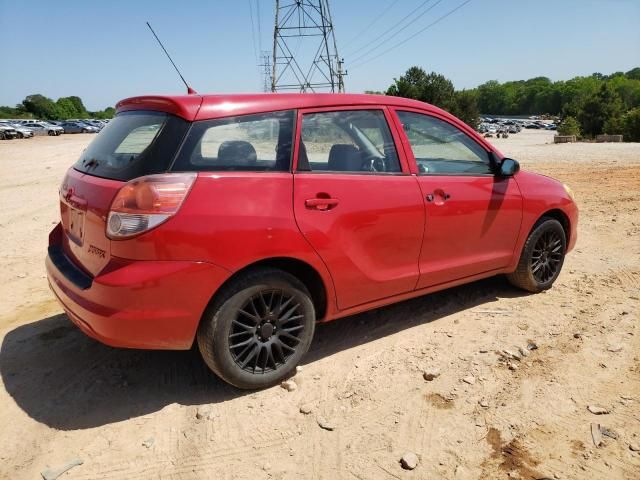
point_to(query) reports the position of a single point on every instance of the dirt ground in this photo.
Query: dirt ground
(136, 414)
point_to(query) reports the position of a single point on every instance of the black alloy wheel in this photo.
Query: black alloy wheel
(257, 328)
(546, 257)
(542, 256)
(266, 331)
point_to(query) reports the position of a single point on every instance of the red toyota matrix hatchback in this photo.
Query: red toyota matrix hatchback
(240, 221)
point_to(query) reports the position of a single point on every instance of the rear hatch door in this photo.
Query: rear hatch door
(133, 144)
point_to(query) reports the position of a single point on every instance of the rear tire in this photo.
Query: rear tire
(542, 257)
(257, 329)
(51, 133)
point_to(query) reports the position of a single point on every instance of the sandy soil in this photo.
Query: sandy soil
(136, 414)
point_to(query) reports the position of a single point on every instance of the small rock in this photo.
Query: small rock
(429, 375)
(532, 346)
(512, 366)
(483, 403)
(53, 473)
(597, 410)
(523, 352)
(577, 335)
(470, 379)
(289, 385)
(615, 348)
(608, 433)
(306, 409)
(148, 443)
(409, 461)
(513, 355)
(299, 369)
(634, 447)
(325, 424)
(596, 435)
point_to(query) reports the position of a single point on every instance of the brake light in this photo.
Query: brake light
(146, 202)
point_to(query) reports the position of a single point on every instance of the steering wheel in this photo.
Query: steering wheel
(373, 163)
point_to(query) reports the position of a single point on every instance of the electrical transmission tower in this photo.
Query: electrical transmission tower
(305, 55)
(266, 70)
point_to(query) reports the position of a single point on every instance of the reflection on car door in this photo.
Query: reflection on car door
(359, 209)
(472, 215)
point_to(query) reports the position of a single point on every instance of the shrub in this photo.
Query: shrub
(569, 126)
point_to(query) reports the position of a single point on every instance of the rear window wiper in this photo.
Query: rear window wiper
(91, 163)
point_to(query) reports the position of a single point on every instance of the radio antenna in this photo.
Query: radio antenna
(190, 90)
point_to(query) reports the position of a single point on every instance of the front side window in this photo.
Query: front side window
(260, 142)
(442, 149)
(355, 141)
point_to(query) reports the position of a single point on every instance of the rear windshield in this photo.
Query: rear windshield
(133, 144)
(260, 142)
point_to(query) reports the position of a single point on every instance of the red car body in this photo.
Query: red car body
(357, 241)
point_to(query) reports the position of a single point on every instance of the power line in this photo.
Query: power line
(413, 35)
(253, 32)
(377, 45)
(366, 29)
(259, 20)
(383, 34)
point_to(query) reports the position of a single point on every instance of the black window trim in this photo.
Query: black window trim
(194, 123)
(437, 117)
(350, 108)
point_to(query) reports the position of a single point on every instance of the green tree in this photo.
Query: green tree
(40, 106)
(431, 88)
(633, 74)
(466, 107)
(631, 125)
(604, 106)
(569, 126)
(492, 98)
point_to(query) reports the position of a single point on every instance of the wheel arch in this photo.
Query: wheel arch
(300, 269)
(560, 216)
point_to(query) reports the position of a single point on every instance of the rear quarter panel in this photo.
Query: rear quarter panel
(230, 219)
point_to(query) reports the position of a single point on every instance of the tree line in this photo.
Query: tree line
(41, 107)
(588, 105)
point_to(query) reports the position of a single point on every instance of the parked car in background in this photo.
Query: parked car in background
(95, 123)
(78, 127)
(7, 132)
(23, 132)
(236, 222)
(42, 128)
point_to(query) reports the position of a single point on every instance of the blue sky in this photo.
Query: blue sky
(102, 51)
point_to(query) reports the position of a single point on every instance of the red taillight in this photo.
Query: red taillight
(146, 202)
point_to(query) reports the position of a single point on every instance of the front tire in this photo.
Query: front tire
(542, 257)
(257, 329)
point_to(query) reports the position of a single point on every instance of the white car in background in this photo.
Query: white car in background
(44, 128)
(23, 132)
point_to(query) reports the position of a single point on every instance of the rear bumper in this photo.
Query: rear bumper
(139, 304)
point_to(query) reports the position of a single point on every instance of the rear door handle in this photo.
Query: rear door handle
(321, 203)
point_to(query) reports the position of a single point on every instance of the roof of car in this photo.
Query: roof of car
(204, 107)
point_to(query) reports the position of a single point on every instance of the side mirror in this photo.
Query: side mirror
(509, 167)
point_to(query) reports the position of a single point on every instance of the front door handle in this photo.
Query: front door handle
(321, 203)
(439, 196)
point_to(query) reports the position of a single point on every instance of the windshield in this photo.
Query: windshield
(132, 145)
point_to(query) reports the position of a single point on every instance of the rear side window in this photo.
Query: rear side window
(133, 144)
(260, 142)
(353, 141)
